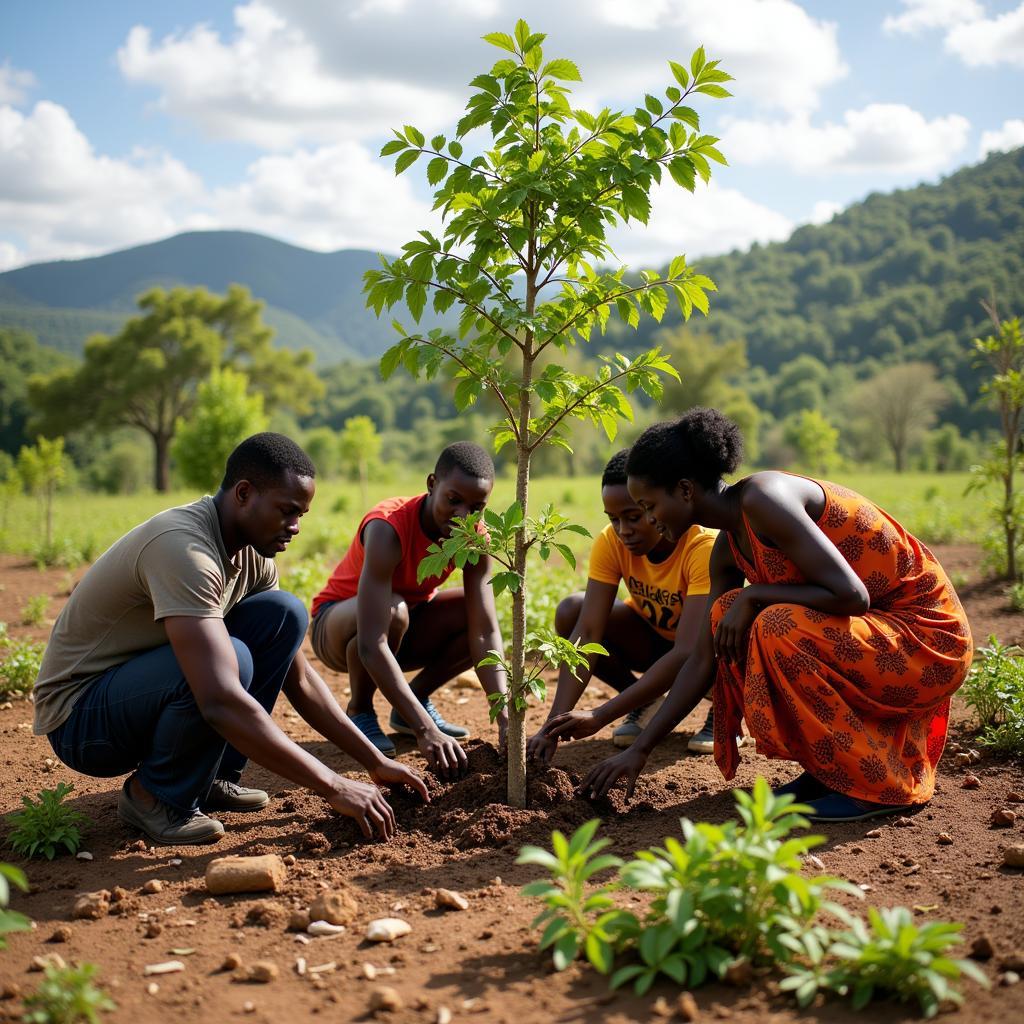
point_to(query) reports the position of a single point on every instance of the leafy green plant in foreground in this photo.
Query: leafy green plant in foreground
(889, 955)
(729, 897)
(43, 827)
(19, 663)
(67, 995)
(11, 920)
(995, 689)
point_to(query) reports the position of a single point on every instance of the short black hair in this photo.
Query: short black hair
(615, 471)
(473, 460)
(702, 445)
(264, 460)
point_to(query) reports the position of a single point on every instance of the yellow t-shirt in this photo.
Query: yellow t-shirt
(656, 590)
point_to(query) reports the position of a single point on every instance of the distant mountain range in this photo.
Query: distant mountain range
(313, 300)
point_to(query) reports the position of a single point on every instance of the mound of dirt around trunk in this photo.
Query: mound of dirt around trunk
(473, 811)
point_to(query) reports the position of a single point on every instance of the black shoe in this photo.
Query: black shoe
(804, 787)
(229, 796)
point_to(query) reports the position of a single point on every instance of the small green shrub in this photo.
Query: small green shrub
(731, 896)
(67, 995)
(888, 956)
(43, 827)
(19, 663)
(11, 920)
(62, 553)
(995, 689)
(33, 613)
(304, 579)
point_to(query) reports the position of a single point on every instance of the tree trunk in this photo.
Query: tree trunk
(49, 515)
(517, 716)
(162, 476)
(1009, 521)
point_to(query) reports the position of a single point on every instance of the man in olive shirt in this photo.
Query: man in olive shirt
(169, 656)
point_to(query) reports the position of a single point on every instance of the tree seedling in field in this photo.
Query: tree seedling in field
(34, 611)
(11, 920)
(729, 898)
(889, 955)
(995, 689)
(67, 995)
(42, 827)
(526, 212)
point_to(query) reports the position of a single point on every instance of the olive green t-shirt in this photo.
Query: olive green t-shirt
(173, 564)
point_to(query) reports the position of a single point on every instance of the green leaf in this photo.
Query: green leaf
(394, 146)
(437, 169)
(414, 135)
(565, 70)
(697, 61)
(714, 90)
(500, 39)
(406, 160)
(680, 74)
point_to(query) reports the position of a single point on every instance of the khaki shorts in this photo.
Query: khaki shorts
(318, 640)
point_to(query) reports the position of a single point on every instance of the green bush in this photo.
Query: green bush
(995, 689)
(19, 663)
(305, 579)
(888, 956)
(67, 995)
(11, 920)
(728, 898)
(34, 611)
(43, 827)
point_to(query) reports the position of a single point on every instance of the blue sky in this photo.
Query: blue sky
(123, 123)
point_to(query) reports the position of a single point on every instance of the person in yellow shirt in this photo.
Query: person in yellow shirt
(653, 630)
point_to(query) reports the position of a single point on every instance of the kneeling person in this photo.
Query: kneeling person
(654, 630)
(169, 656)
(374, 620)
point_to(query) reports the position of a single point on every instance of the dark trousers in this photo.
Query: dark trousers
(142, 716)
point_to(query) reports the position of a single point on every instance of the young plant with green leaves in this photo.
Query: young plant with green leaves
(995, 689)
(67, 995)
(890, 955)
(1003, 352)
(527, 207)
(11, 920)
(43, 467)
(19, 663)
(44, 826)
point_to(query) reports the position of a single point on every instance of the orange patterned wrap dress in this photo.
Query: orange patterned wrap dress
(861, 702)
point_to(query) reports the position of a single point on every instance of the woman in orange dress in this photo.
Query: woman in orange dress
(843, 651)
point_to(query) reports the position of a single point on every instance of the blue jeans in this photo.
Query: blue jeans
(142, 716)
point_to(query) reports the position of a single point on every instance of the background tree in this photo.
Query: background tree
(43, 467)
(21, 356)
(523, 224)
(1004, 353)
(359, 449)
(321, 445)
(11, 486)
(902, 403)
(814, 439)
(146, 375)
(223, 415)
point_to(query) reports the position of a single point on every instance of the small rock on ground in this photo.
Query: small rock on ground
(263, 972)
(387, 929)
(385, 999)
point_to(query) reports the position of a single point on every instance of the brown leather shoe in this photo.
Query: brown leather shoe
(229, 796)
(167, 826)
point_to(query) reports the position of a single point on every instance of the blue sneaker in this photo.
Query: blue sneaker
(457, 732)
(840, 807)
(366, 722)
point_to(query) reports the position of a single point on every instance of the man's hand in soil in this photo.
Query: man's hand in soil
(541, 747)
(393, 773)
(572, 725)
(366, 804)
(603, 776)
(445, 757)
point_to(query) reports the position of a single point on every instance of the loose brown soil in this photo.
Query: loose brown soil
(481, 963)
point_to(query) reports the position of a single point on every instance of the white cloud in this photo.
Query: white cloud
(1010, 136)
(709, 221)
(14, 83)
(61, 199)
(301, 71)
(335, 197)
(268, 85)
(881, 137)
(823, 211)
(978, 40)
(986, 42)
(919, 15)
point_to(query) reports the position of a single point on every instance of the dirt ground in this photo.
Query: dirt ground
(481, 963)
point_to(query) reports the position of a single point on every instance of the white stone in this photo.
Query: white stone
(387, 929)
(325, 928)
(168, 967)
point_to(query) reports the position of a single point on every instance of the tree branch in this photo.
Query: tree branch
(575, 405)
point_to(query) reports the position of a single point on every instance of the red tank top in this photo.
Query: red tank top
(403, 515)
